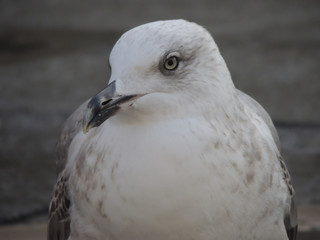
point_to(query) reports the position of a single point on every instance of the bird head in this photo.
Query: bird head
(175, 58)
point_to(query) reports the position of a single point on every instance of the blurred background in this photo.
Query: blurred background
(54, 55)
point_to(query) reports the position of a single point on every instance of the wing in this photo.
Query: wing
(290, 220)
(71, 128)
(260, 111)
(59, 218)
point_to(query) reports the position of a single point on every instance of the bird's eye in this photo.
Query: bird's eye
(171, 63)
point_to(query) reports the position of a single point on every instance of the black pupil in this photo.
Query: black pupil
(170, 62)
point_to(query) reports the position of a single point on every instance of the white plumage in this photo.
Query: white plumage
(171, 153)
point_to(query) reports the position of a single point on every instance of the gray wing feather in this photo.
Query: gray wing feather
(260, 111)
(290, 220)
(71, 128)
(59, 217)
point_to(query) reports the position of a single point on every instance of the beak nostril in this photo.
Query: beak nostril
(106, 102)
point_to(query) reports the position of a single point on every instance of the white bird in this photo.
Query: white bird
(170, 150)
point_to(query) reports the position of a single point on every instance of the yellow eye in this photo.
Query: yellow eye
(171, 63)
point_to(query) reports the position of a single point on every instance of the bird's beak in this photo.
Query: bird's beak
(104, 105)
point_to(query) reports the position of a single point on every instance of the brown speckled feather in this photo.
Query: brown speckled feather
(59, 218)
(290, 219)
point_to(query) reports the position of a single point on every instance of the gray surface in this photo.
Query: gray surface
(300, 149)
(53, 56)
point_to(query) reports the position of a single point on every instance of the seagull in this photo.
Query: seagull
(170, 149)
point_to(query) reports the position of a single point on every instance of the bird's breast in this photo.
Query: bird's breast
(151, 177)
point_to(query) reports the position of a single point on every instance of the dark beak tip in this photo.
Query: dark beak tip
(103, 106)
